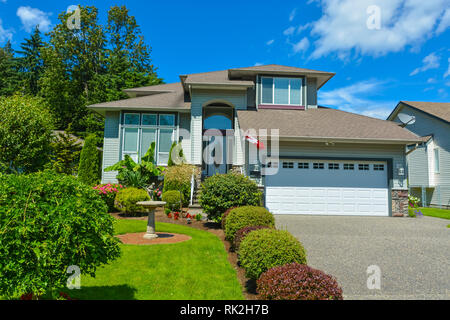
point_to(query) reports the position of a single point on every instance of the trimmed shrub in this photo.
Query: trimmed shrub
(88, 170)
(179, 178)
(247, 217)
(298, 282)
(25, 133)
(52, 221)
(264, 249)
(126, 200)
(223, 191)
(224, 217)
(173, 199)
(242, 233)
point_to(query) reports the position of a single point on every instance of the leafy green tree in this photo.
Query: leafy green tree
(25, 133)
(48, 223)
(66, 150)
(88, 170)
(30, 62)
(9, 75)
(93, 64)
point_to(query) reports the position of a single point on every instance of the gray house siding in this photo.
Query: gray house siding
(185, 128)
(417, 165)
(111, 146)
(311, 92)
(427, 125)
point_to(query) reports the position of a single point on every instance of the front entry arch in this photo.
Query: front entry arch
(218, 138)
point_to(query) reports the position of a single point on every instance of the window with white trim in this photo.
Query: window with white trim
(288, 165)
(333, 166)
(303, 165)
(281, 91)
(436, 161)
(378, 167)
(349, 166)
(364, 167)
(140, 130)
(319, 166)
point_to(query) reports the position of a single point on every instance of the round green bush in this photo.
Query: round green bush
(264, 249)
(247, 217)
(49, 222)
(224, 217)
(126, 200)
(223, 191)
(25, 133)
(173, 199)
(242, 233)
(297, 282)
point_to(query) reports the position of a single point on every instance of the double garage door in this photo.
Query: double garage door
(358, 188)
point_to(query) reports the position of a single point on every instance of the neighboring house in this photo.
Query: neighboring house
(330, 162)
(428, 162)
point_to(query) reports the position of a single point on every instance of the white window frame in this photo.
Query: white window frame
(157, 127)
(437, 160)
(289, 91)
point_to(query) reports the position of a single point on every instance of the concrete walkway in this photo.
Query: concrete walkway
(412, 254)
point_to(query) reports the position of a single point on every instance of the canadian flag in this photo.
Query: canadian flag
(254, 141)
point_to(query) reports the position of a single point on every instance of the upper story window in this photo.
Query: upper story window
(281, 91)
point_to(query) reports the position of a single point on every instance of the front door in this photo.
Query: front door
(218, 146)
(216, 155)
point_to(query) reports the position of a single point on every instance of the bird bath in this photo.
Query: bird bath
(151, 206)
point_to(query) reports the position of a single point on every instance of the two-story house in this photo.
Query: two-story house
(428, 162)
(315, 160)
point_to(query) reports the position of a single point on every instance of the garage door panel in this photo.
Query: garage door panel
(328, 192)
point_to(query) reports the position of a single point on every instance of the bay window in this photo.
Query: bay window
(281, 91)
(140, 130)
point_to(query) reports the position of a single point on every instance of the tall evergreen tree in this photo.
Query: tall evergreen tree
(30, 62)
(89, 167)
(9, 75)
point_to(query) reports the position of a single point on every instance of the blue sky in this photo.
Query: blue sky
(382, 51)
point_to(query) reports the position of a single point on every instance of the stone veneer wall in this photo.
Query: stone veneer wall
(399, 203)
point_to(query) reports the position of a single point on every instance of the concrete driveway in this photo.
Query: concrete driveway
(412, 254)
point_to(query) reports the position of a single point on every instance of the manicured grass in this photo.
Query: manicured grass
(194, 270)
(437, 213)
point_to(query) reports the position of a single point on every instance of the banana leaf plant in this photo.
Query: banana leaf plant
(138, 175)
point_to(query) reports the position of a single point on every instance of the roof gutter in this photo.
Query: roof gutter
(332, 140)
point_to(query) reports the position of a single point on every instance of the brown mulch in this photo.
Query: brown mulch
(163, 238)
(215, 228)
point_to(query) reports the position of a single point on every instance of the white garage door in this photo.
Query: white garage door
(357, 188)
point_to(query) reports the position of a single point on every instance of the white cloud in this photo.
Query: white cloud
(289, 31)
(431, 61)
(292, 15)
(431, 80)
(302, 45)
(270, 42)
(342, 29)
(447, 73)
(354, 98)
(445, 22)
(5, 34)
(258, 64)
(32, 17)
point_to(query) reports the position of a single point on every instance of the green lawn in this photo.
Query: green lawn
(437, 213)
(194, 270)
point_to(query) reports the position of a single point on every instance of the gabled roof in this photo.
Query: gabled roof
(440, 110)
(169, 100)
(276, 69)
(325, 124)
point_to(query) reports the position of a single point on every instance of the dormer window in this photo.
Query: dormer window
(281, 91)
